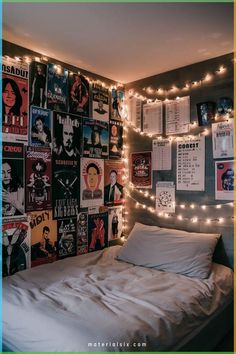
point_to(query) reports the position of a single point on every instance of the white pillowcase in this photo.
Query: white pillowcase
(171, 250)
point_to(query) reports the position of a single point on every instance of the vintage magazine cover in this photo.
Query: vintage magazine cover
(97, 231)
(38, 84)
(115, 220)
(113, 182)
(141, 169)
(100, 103)
(15, 101)
(95, 139)
(82, 232)
(66, 233)
(40, 133)
(15, 246)
(91, 182)
(224, 180)
(78, 95)
(116, 139)
(13, 180)
(57, 88)
(43, 237)
(38, 179)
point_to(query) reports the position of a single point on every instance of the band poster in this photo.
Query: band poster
(82, 232)
(38, 84)
(165, 197)
(223, 139)
(38, 179)
(153, 117)
(224, 180)
(57, 88)
(66, 233)
(78, 95)
(141, 169)
(40, 127)
(95, 139)
(116, 139)
(15, 100)
(115, 220)
(91, 182)
(100, 103)
(43, 237)
(15, 246)
(177, 115)
(97, 231)
(113, 182)
(118, 108)
(13, 180)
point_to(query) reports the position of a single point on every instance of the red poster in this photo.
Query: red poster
(141, 169)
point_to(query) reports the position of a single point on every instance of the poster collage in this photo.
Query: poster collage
(62, 185)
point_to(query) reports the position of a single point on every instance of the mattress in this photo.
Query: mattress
(94, 303)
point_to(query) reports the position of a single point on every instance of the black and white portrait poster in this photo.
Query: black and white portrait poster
(82, 232)
(91, 182)
(161, 155)
(223, 139)
(66, 237)
(141, 169)
(165, 197)
(113, 182)
(100, 102)
(116, 139)
(97, 231)
(153, 117)
(13, 180)
(115, 220)
(66, 136)
(95, 138)
(15, 100)
(15, 246)
(191, 164)
(134, 111)
(57, 88)
(78, 95)
(224, 180)
(38, 84)
(40, 133)
(177, 115)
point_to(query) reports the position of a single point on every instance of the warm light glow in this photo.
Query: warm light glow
(17, 58)
(218, 206)
(182, 206)
(192, 206)
(195, 219)
(179, 217)
(37, 59)
(221, 220)
(208, 77)
(208, 221)
(221, 70)
(203, 207)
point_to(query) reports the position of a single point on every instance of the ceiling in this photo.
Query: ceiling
(124, 42)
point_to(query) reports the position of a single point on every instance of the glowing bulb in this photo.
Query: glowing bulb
(166, 216)
(144, 206)
(203, 207)
(192, 206)
(146, 194)
(160, 214)
(208, 77)
(182, 206)
(218, 206)
(208, 221)
(221, 220)
(179, 217)
(37, 59)
(195, 219)
(221, 70)
(17, 58)
(152, 197)
(137, 205)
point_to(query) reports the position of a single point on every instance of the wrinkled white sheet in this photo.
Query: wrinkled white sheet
(94, 298)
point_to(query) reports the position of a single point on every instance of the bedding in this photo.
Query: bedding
(94, 302)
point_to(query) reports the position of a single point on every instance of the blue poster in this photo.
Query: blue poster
(40, 127)
(95, 139)
(57, 88)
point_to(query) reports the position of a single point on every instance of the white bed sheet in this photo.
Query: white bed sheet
(79, 302)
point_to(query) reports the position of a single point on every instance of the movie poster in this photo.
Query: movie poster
(82, 232)
(115, 220)
(15, 101)
(13, 180)
(95, 139)
(97, 231)
(15, 246)
(38, 179)
(78, 95)
(224, 180)
(38, 84)
(57, 88)
(43, 237)
(66, 233)
(66, 136)
(223, 139)
(113, 182)
(40, 133)
(118, 107)
(100, 103)
(116, 139)
(91, 182)
(141, 169)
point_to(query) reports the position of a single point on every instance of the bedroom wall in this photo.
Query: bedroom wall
(221, 86)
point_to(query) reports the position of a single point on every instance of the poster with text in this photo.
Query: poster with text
(191, 164)
(116, 139)
(115, 220)
(113, 182)
(13, 180)
(165, 197)
(118, 107)
(38, 179)
(141, 169)
(82, 232)
(15, 100)
(43, 237)
(134, 111)
(57, 88)
(66, 237)
(224, 180)
(38, 84)
(95, 138)
(223, 139)
(91, 182)
(78, 95)
(161, 155)
(177, 116)
(153, 117)
(40, 130)
(97, 231)
(15, 246)
(100, 103)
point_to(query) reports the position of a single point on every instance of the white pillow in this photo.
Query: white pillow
(170, 250)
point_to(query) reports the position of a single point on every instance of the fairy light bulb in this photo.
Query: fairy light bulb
(180, 217)
(182, 206)
(208, 221)
(192, 206)
(221, 220)
(195, 220)
(218, 206)
(203, 207)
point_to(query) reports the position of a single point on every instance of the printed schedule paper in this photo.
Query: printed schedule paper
(161, 155)
(153, 118)
(178, 116)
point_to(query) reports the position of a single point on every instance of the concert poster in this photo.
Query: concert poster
(82, 232)
(100, 102)
(38, 84)
(95, 139)
(78, 95)
(115, 220)
(97, 231)
(141, 169)
(40, 129)
(57, 88)
(116, 139)
(113, 182)
(66, 236)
